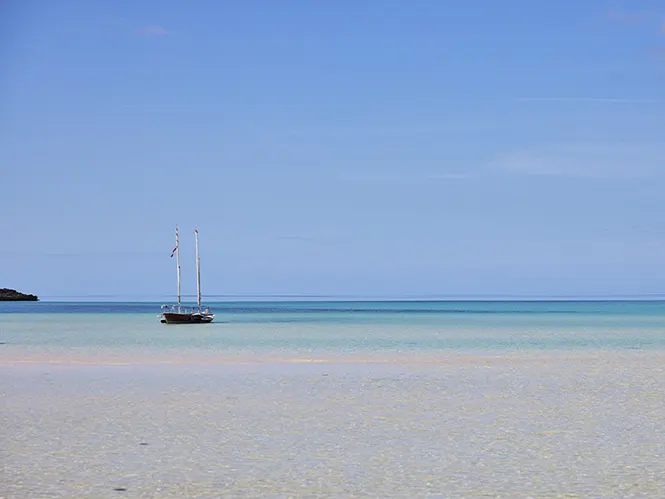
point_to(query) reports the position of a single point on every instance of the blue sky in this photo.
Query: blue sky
(377, 148)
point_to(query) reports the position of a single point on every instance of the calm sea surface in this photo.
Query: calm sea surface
(342, 327)
(470, 399)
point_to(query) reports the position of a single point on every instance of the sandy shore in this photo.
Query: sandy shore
(132, 357)
(529, 424)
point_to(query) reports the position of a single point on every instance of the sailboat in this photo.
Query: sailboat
(185, 315)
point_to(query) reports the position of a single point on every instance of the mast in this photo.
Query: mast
(198, 271)
(177, 260)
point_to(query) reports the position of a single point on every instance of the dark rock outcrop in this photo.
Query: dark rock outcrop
(13, 295)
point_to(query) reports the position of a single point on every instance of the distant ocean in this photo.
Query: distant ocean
(340, 327)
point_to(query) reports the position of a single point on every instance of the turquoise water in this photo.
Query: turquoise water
(85, 416)
(341, 327)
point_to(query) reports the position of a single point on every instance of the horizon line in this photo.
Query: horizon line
(358, 298)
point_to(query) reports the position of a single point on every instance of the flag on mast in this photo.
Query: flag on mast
(173, 252)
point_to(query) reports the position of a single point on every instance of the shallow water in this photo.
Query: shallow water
(512, 400)
(342, 327)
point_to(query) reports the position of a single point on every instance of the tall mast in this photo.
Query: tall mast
(177, 260)
(198, 270)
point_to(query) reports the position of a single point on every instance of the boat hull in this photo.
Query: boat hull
(179, 318)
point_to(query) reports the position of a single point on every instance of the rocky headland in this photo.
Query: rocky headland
(13, 295)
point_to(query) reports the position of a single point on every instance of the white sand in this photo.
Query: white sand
(587, 424)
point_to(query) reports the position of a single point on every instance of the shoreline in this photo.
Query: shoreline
(28, 357)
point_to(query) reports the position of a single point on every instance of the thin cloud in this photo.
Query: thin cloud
(591, 100)
(405, 179)
(154, 30)
(354, 130)
(451, 176)
(82, 254)
(585, 161)
(295, 238)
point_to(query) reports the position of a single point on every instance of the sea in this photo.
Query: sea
(334, 399)
(340, 327)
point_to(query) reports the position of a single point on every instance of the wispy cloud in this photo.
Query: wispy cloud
(405, 179)
(377, 131)
(154, 30)
(82, 254)
(295, 238)
(591, 100)
(585, 160)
